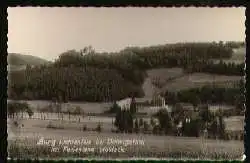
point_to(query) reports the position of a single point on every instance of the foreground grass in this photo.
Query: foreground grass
(23, 145)
(170, 148)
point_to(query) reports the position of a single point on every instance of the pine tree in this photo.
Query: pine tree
(133, 107)
(140, 122)
(136, 128)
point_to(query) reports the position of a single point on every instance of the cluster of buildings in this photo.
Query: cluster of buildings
(145, 104)
(152, 105)
(157, 102)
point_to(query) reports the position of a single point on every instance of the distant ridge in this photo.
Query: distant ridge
(19, 61)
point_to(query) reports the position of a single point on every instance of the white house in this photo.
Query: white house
(158, 103)
(151, 105)
(124, 103)
(214, 108)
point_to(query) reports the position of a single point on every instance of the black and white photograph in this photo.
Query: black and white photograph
(126, 83)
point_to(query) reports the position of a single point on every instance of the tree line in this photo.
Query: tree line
(15, 108)
(221, 68)
(210, 95)
(167, 56)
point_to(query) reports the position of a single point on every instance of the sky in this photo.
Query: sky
(48, 32)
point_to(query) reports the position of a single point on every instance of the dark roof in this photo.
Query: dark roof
(187, 105)
(142, 100)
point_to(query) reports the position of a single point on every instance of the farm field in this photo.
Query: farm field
(163, 74)
(232, 123)
(198, 80)
(154, 146)
(88, 107)
(174, 79)
(16, 67)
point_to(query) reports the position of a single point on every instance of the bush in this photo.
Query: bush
(136, 126)
(30, 112)
(85, 128)
(164, 121)
(145, 126)
(52, 126)
(156, 130)
(99, 127)
(15, 123)
(191, 128)
(114, 108)
(113, 130)
(141, 122)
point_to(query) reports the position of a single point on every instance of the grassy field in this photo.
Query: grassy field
(88, 107)
(174, 80)
(16, 67)
(198, 80)
(22, 143)
(163, 74)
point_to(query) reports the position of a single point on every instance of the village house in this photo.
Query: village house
(215, 108)
(145, 104)
(124, 104)
(186, 106)
(234, 127)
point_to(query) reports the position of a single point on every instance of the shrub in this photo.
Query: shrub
(156, 130)
(113, 130)
(136, 126)
(15, 123)
(99, 127)
(164, 121)
(191, 128)
(114, 108)
(145, 126)
(52, 126)
(30, 112)
(85, 128)
(141, 122)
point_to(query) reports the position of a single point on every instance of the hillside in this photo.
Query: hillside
(19, 61)
(158, 78)
(174, 79)
(96, 77)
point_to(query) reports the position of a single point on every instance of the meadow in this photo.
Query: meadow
(174, 79)
(199, 80)
(88, 107)
(22, 143)
(181, 81)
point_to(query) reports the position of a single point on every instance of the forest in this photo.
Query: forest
(86, 75)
